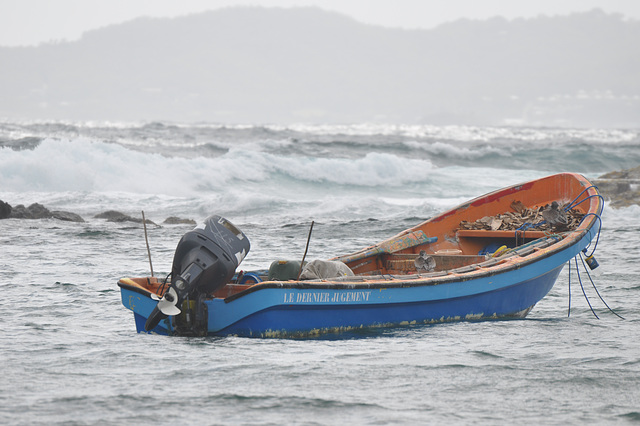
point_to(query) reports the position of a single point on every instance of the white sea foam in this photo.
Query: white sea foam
(252, 170)
(459, 151)
(85, 165)
(464, 133)
(88, 165)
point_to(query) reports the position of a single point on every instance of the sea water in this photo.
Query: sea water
(70, 353)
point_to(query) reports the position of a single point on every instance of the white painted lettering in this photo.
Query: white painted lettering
(327, 297)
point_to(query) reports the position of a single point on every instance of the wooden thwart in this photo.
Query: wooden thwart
(405, 263)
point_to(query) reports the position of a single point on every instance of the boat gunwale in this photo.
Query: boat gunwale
(135, 288)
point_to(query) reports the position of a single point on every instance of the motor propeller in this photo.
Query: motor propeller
(205, 260)
(167, 303)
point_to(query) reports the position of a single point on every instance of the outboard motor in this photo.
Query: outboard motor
(205, 260)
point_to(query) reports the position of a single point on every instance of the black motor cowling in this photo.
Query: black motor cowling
(205, 260)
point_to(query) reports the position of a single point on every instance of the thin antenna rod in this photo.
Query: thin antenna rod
(144, 223)
(305, 250)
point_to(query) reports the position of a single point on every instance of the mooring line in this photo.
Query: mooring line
(569, 309)
(596, 289)
(582, 287)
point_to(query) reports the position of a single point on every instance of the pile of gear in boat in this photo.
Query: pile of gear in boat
(551, 217)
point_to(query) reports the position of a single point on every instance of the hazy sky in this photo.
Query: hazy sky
(30, 22)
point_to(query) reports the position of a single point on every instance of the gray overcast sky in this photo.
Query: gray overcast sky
(30, 22)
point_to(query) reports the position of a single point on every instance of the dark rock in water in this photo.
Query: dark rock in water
(5, 210)
(179, 221)
(620, 188)
(34, 211)
(38, 211)
(66, 216)
(29, 142)
(116, 216)
(19, 212)
(633, 173)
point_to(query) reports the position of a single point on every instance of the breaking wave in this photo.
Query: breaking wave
(316, 169)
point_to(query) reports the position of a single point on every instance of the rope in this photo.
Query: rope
(582, 287)
(572, 205)
(583, 254)
(595, 288)
(597, 236)
(164, 283)
(580, 195)
(569, 309)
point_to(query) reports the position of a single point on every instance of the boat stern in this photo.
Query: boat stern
(138, 299)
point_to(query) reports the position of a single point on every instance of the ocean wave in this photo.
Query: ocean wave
(458, 133)
(449, 150)
(86, 165)
(287, 168)
(89, 165)
(354, 145)
(88, 176)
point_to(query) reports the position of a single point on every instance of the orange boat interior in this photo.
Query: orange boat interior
(457, 247)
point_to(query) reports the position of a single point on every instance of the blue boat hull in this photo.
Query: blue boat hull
(501, 286)
(301, 312)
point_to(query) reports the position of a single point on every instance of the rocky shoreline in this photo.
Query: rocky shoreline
(619, 189)
(38, 211)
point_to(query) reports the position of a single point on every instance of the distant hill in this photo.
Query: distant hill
(248, 65)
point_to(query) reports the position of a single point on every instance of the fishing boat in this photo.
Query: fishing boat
(464, 264)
